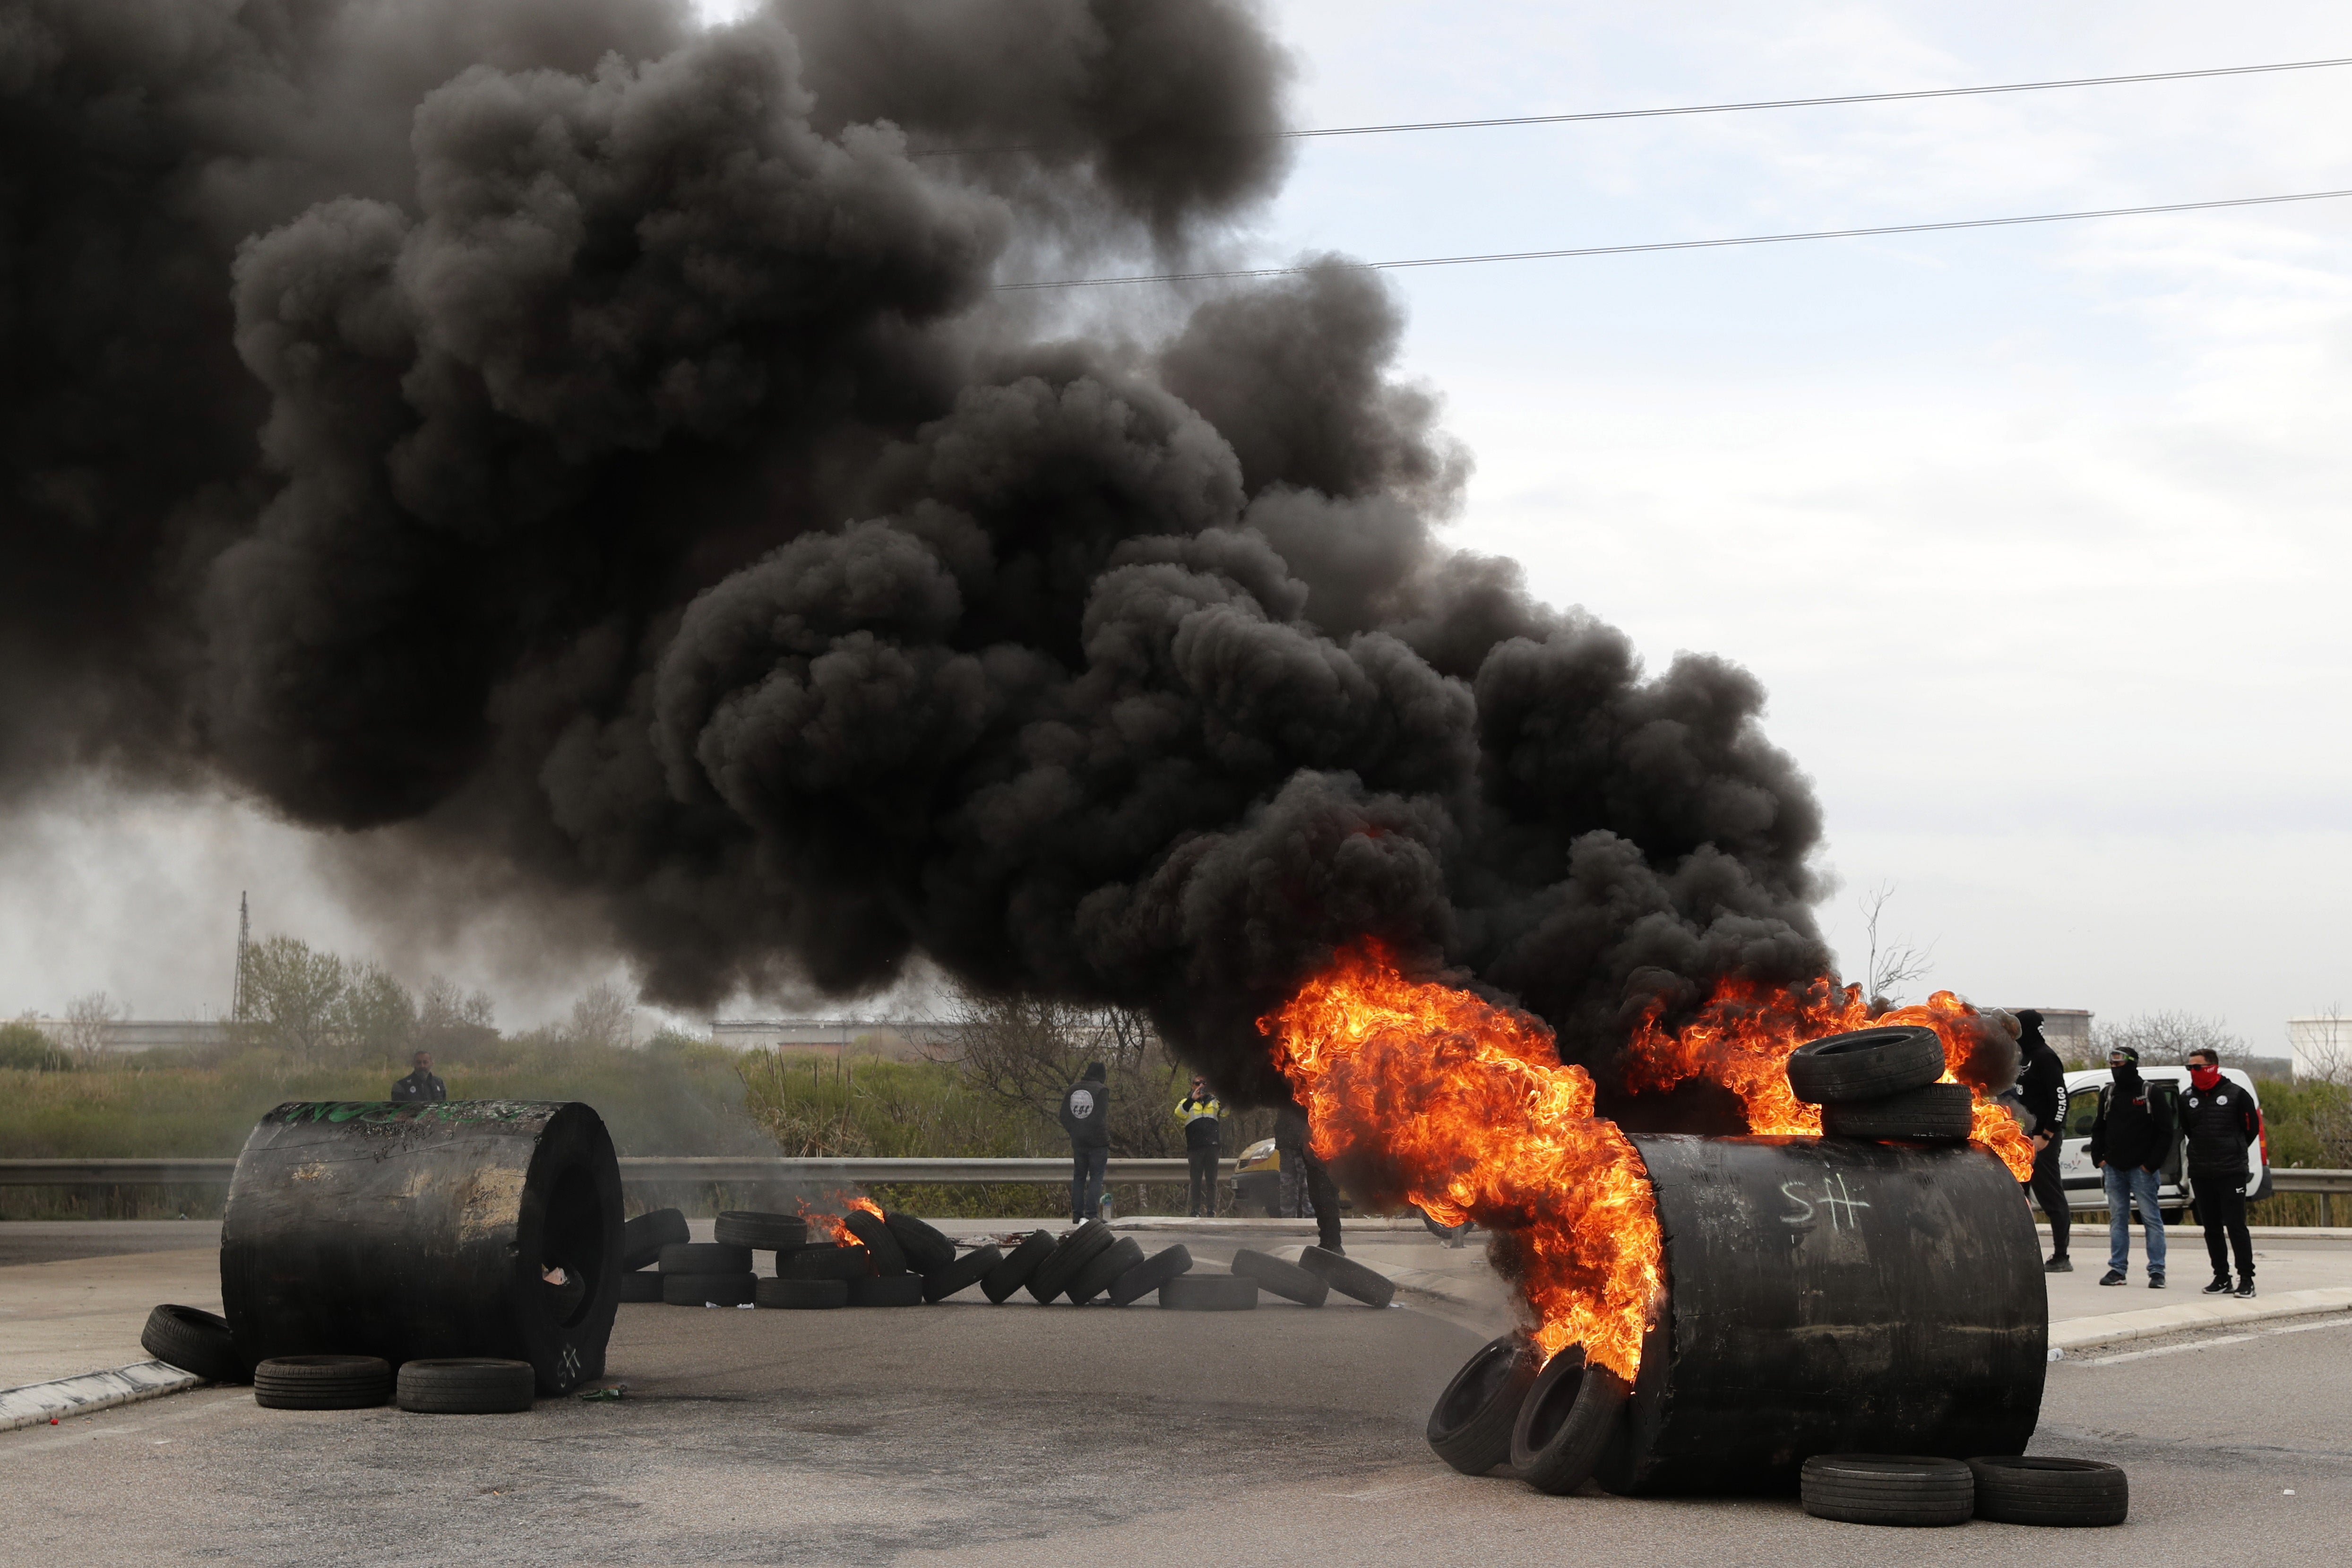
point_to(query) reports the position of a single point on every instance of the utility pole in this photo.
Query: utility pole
(236, 1000)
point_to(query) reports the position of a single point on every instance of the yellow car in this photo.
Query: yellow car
(1257, 1179)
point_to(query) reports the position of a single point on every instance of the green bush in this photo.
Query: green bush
(25, 1048)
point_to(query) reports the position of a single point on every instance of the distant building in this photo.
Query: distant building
(2068, 1030)
(125, 1036)
(2321, 1043)
(905, 1039)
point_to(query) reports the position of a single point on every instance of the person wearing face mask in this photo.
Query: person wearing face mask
(2129, 1142)
(2041, 1090)
(2221, 1119)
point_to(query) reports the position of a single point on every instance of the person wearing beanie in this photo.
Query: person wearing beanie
(2129, 1142)
(1086, 1117)
(2041, 1090)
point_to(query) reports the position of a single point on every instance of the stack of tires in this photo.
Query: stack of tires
(198, 1342)
(1882, 1084)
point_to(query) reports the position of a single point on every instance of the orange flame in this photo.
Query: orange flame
(830, 1226)
(1464, 1108)
(1742, 1037)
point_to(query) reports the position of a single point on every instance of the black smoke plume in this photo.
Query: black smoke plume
(596, 445)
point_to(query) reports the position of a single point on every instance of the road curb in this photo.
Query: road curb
(2112, 1328)
(37, 1403)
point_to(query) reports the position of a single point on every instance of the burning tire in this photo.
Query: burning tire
(322, 1382)
(889, 1258)
(1888, 1488)
(1285, 1279)
(1103, 1273)
(193, 1341)
(1019, 1266)
(2031, 1488)
(1470, 1426)
(762, 1232)
(887, 1291)
(1078, 1249)
(705, 1257)
(645, 1285)
(961, 1274)
(929, 1248)
(1566, 1420)
(1349, 1277)
(1209, 1293)
(825, 1263)
(1865, 1064)
(1149, 1275)
(465, 1385)
(801, 1295)
(643, 1238)
(1934, 1113)
(710, 1289)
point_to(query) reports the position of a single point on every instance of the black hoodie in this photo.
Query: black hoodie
(1086, 1114)
(2134, 1123)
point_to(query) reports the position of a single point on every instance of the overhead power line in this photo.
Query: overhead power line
(1245, 272)
(1708, 108)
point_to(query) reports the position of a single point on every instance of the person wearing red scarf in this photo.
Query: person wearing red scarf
(2220, 1120)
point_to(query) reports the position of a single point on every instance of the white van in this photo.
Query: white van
(2085, 1184)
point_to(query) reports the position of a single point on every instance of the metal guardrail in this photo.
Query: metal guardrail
(657, 1168)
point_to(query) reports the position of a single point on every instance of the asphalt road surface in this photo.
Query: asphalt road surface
(965, 1434)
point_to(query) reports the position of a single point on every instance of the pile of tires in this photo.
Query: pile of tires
(1882, 1084)
(1913, 1490)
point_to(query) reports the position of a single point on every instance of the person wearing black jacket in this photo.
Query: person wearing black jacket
(420, 1086)
(2221, 1119)
(2129, 1142)
(1301, 1169)
(1086, 1117)
(2041, 1090)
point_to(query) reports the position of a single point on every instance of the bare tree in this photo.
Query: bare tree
(1025, 1052)
(1894, 963)
(449, 1021)
(2166, 1038)
(294, 996)
(602, 1017)
(2323, 1052)
(89, 1019)
(376, 1016)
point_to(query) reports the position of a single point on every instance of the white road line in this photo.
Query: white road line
(2168, 1350)
(2345, 1322)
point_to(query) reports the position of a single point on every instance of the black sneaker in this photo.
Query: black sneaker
(2155, 1280)
(2245, 1292)
(2114, 1277)
(2220, 1285)
(2058, 1265)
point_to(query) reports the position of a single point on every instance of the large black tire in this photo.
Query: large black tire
(2034, 1489)
(1149, 1275)
(193, 1341)
(929, 1248)
(1078, 1249)
(1019, 1266)
(962, 1274)
(889, 1258)
(1470, 1425)
(643, 1285)
(1935, 1113)
(705, 1257)
(1888, 1488)
(887, 1291)
(710, 1289)
(1347, 1276)
(762, 1232)
(1103, 1273)
(643, 1238)
(1865, 1064)
(1565, 1421)
(801, 1295)
(465, 1385)
(825, 1263)
(1285, 1279)
(1209, 1293)
(322, 1382)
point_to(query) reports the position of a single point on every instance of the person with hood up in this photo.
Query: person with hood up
(1086, 1117)
(2129, 1142)
(2041, 1091)
(2220, 1120)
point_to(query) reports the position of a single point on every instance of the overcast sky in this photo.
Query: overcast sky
(2036, 536)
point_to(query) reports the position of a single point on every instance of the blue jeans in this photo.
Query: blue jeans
(1086, 1182)
(2125, 1187)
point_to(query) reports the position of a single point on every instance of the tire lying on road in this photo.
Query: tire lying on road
(322, 1382)
(1934, 1113)
(1209, 1293)
(1567, 1418)
(825, 1263)
(643, 1285)
(710, 1289)
(1018, 1267)
(962, 1274)
(1149, 1275)
(1865, 1064)
(465, 1385)
(193, 1341)
(1285, 1279)
(1076, 1250)
(762, 1232)
(1888, 1488)
(1470, 1426)
(2039, 1489)
(1347, 1276)
(705, 1257)
(887, 1291)
(801, 1295)
(889, 1258)
(1103, 1273)
(929, 1248)
(643, 1238)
